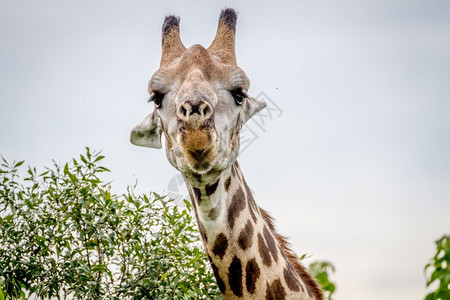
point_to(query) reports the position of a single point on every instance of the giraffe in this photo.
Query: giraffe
(201, 103)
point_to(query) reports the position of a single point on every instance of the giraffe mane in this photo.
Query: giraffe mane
(293, 258)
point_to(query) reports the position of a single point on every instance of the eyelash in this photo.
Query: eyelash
(156, 97)
(239, 95)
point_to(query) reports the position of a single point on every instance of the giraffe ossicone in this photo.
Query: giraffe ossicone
(201, 104)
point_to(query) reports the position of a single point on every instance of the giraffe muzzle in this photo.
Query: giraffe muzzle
(199, 147)
(197, 134)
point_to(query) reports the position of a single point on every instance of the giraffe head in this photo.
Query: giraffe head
(200, 98)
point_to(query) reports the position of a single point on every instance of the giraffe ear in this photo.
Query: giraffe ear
(251, 107)
(147, 133)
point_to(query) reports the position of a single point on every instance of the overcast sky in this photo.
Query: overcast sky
(354, 161)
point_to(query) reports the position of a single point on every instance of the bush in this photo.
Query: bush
(320, 270)
(440, 267)
(63, 234)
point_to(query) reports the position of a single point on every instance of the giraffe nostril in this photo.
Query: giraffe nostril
(183, 111)
(205, 110)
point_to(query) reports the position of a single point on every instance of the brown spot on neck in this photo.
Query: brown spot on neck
(252, 273)
(275, 291)
(291, 280)
(235, 276)
(264, 251)
(227, 183)
(236, 206)
(210, 189)
(215, 212)
(198, 195)
(246, 236)
(220, 245)
(253, 208)
(271, 243)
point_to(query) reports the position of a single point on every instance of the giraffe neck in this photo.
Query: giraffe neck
(245, 253)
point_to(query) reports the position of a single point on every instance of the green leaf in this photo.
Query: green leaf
(41, 238)
(18, 164)
(103, 169)
(66, 169)
(44, 173)
(164, 276)
(100, 157)
(88, 153)
(83, 159)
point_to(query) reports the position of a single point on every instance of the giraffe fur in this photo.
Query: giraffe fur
(200, 105)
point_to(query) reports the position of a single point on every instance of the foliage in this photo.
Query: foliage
(63, 234)
(320, 270)
(440, 266)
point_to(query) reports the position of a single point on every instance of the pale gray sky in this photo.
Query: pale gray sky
(357, 168)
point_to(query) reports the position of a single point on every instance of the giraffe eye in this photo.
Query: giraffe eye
(239, 95)
(156, 97)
